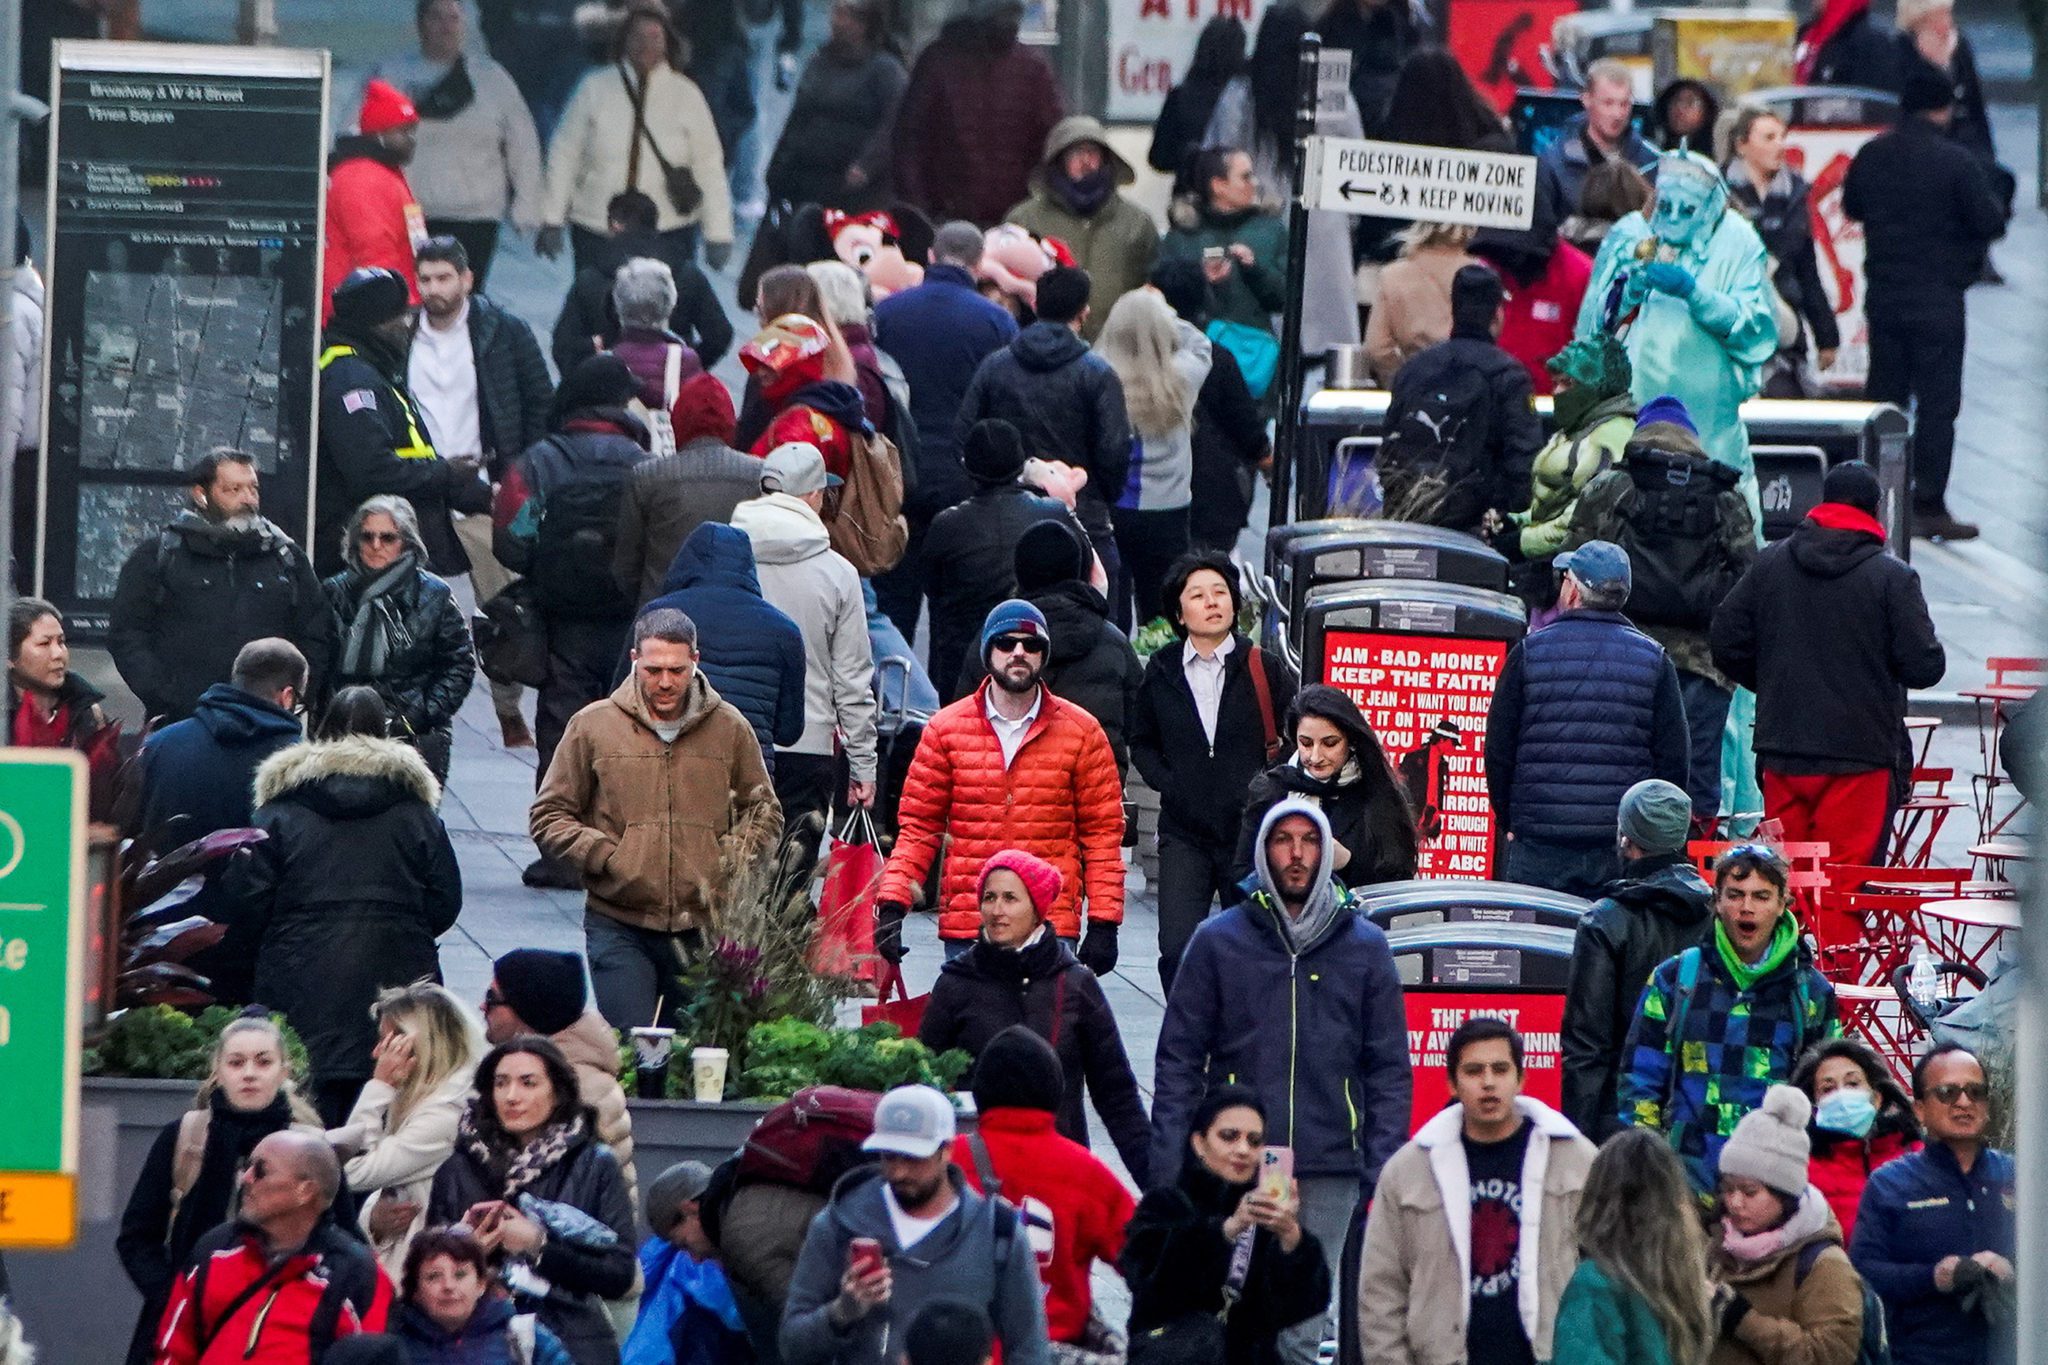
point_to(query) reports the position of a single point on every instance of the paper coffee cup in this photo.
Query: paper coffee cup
(651, 1048)
(707, 1066)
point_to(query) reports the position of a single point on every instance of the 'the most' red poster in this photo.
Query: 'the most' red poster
(1433, 1016)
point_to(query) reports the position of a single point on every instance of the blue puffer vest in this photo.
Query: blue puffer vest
(1588, 712)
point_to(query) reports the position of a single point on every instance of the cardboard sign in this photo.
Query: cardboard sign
(1434, 1015)
(1427, 697)
(1428, 184)
(1151, 43)
(1823, 155)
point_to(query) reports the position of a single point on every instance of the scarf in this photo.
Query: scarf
(1784, 939)
(511, 1168)
(1806, 1223)
(1083, 197)
(374, 630)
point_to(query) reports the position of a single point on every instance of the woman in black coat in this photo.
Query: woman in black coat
(187, 1183)
(1181, 1242)
(1017, 972)
(347, 895)
(1184, 115)
(834, 150)
(1337, 763)
(527, 1133)
(398, 629)
(1776, 199)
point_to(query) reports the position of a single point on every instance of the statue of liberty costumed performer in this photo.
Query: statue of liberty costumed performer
(1687, 288)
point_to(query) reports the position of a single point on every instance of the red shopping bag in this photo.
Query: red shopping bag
(845, 944)
(896, 1006)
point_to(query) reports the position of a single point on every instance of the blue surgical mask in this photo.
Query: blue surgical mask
(1848, 1110)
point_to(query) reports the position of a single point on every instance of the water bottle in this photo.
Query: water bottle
(1924, 984)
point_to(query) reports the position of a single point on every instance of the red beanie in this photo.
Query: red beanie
(1042, 881)
(703, 407)
(385, 107)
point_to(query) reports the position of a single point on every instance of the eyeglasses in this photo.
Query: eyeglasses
(1976, 1091)
(379, 538)
(493, 1000)
(1008, 644)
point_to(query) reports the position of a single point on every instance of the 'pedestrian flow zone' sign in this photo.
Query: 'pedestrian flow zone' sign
(42, 951)
(1426, 184)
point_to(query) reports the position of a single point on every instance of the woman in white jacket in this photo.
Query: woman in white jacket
(403, 1126)
(672, 155)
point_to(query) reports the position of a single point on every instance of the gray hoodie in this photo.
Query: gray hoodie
(1322, 905)
(964, 1257)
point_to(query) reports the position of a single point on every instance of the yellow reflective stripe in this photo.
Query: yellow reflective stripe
(417, 446)
(334, 353)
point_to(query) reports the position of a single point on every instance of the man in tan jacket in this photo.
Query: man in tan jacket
(659, 797)
(1472, 1237)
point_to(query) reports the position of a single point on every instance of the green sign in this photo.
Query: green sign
(42, 950)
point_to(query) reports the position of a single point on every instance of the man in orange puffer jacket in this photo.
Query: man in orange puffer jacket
(1010, 765)
(372, 217)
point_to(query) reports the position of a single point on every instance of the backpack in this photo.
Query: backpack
(661, 427)
(1875, 1347)
(574, 540)
(793, 1141)
(1671, 530)
(868, 527)
(1434, 455)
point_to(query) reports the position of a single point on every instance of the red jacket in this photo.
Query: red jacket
(274, 1325)
(1060, 799)
(1841, 1168)
(1542, 314)
(372, 219)
(972, 126)
(1052, 1178)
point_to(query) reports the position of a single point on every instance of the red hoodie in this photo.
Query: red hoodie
(1058, 1181)
(372, 219)
(1840, 516)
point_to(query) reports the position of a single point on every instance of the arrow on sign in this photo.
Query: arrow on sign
(1351, 190)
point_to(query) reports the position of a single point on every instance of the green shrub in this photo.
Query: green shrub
(785, 1056)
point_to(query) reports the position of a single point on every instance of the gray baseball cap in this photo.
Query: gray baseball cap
(1598, 564)
(796, 468)
(913, 1121)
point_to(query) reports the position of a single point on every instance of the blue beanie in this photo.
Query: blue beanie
(1014, 617)
(1665, 408)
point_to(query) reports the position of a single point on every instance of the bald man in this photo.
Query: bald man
(312, 1283)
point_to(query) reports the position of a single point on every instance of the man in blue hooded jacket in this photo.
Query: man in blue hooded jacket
(1293, 993)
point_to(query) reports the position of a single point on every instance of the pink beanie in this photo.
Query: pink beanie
(1042, 881)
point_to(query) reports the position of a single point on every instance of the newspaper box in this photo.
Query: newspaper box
(1460, 900)
(1420, 660)
(1452, 972)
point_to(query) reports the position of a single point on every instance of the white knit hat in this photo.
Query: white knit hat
(1770, 1143)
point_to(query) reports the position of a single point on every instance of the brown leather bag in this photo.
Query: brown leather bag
(678, 181)
(867, 526)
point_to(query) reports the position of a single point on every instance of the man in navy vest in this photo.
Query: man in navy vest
(1585, 708)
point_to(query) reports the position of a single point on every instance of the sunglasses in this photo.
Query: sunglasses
(493, 1000)
(1008, 644)
(1976, 1091)
(259, 1169)
(379, 538)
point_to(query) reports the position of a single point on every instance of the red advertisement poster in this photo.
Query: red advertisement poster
(1433, 1016)
(1500, 43)
(1427, 696)
(1823, 155)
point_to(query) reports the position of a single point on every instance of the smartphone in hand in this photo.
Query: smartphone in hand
(1276, 1173)
(864, 1256)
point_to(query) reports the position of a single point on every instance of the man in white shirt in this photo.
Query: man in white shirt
(483, 391)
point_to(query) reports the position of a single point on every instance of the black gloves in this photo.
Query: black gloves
(889, 931)
(1098, 949)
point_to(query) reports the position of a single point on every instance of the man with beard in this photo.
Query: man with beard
(1010, 765)
(372, 217)
(902, 1233)
(373, 437)
(218, 576)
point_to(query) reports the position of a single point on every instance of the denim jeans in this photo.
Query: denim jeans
(1575, 869)
(631, 969)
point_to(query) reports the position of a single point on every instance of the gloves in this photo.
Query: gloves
(716, 254)
(1667, 278)
(1098, 949)
(547, 243)
(1732, 1313)
(889, 931)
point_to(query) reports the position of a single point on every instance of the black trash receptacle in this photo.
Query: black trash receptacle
(1461, 900)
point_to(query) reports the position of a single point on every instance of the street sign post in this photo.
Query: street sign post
(42, 949)
(1427, 184)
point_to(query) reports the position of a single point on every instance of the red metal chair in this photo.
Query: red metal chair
(2014, 678)
(1878, 907)
(1918, 821)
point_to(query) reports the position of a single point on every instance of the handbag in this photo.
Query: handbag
(1198, 1336)
(1256, 350)
(512, 637)
(905, 1012)
(845, 945)
(679, 182)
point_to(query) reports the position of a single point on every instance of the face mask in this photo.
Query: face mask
(1571, 406)
(1848, 1111)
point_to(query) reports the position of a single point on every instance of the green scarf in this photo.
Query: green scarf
(1784, 941)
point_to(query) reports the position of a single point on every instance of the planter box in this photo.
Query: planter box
(668, 1131)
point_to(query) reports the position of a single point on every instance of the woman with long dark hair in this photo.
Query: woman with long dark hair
(1434, 104)
(1184, 117)
(1861, 1120)
(526, 1142)
(1336, 762)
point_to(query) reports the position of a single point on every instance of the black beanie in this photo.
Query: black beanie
(1926, 86)
(544, 988)
(1018, 1070)
(600, 381)
(370, 296)
(1852, 483)
(994, 452)
(1047, 553)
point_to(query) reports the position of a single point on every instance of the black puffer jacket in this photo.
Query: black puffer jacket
(1092, 664)
(1367, 809)
(586, 1177)
(349, 892)
(1829, 631)
(513, 391)
(190, 598)
(1045, 988)
(969, 567)
(1066, 403)
(431, 665)
(1658, 909)
(1176, 1259)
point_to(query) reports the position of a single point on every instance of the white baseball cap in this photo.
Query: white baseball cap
(912, 1120)
(796, 468)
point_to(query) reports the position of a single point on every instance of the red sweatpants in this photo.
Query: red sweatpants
(1845, 811)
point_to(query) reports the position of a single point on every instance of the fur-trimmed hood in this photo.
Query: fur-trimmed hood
(347, 779)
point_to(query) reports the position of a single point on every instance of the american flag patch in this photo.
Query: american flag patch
(356, 400)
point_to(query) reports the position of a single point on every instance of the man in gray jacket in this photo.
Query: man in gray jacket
(933, 1237)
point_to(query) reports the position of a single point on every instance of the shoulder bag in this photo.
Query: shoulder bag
(681, 185)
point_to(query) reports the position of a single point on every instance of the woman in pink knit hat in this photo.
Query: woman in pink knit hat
(1020, 972)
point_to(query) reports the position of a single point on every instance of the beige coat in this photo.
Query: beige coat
(1414, 1282)
(399, 1162)
(657, 829)
(590, 154)
(1818, 1322)
(1413, 311)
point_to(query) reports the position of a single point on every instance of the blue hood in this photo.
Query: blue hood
(235, 718)
(715, 556)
